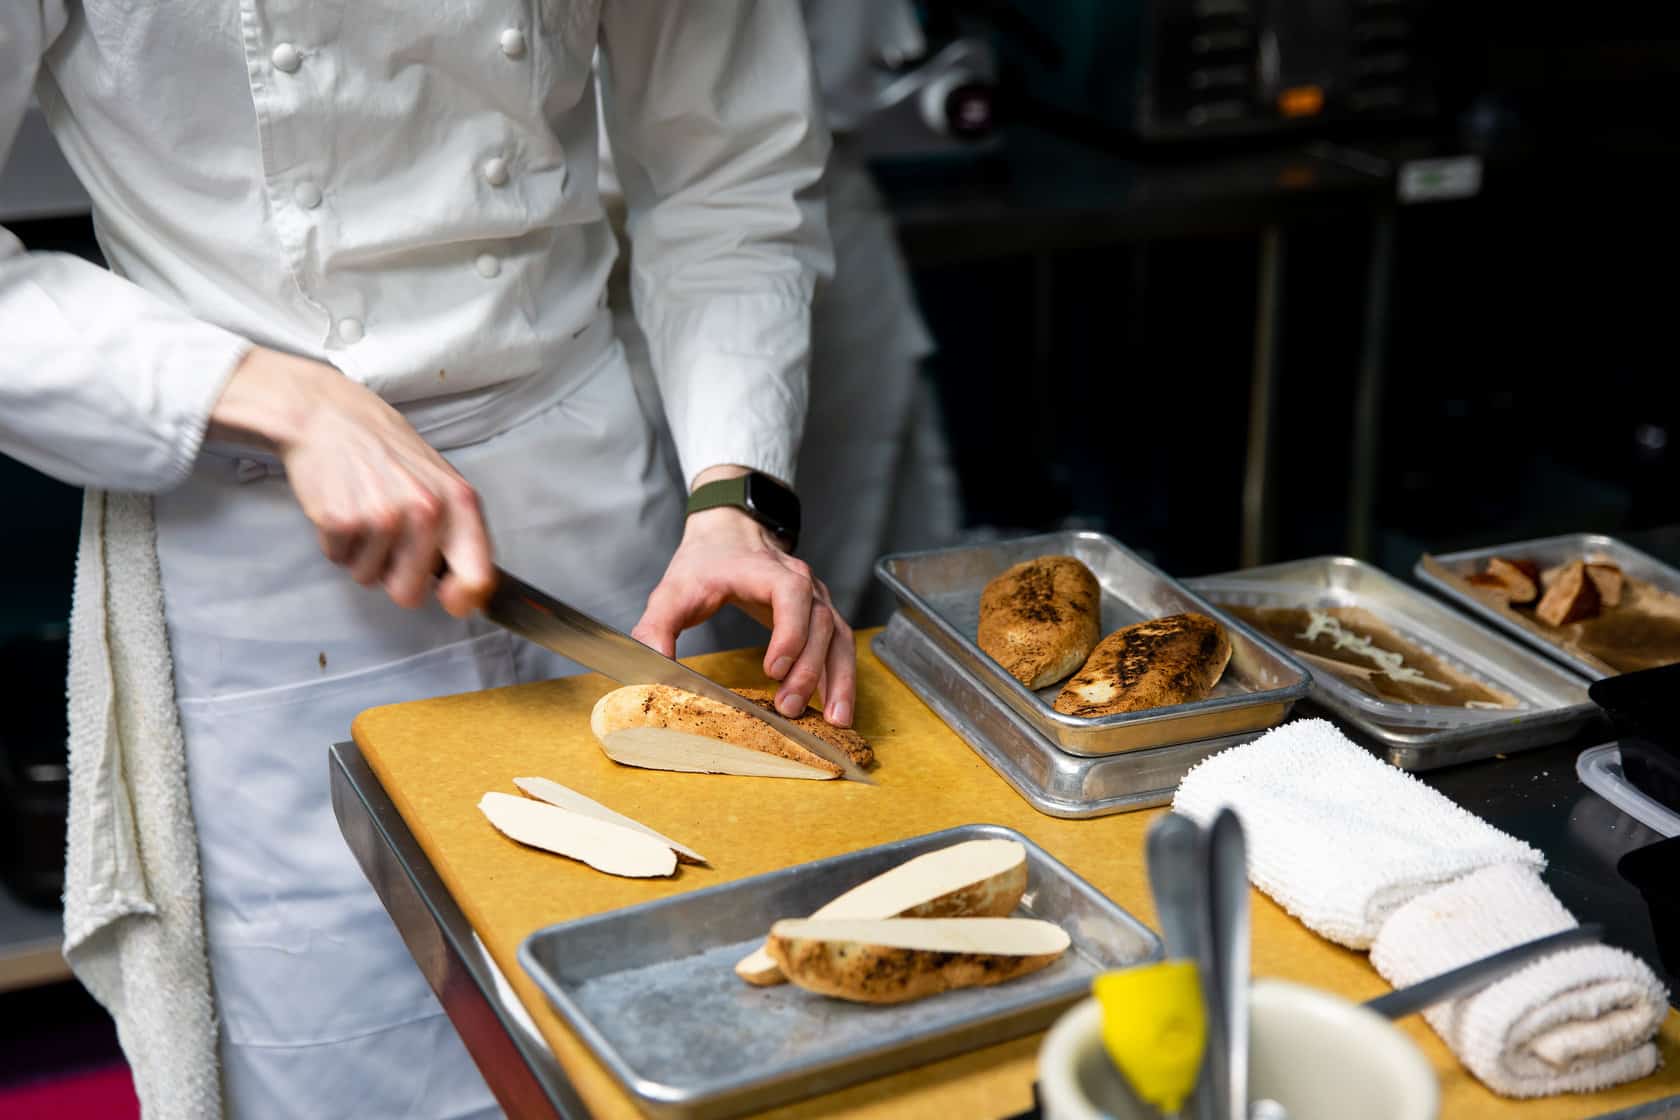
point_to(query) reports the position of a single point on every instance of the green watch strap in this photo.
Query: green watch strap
(723, 492)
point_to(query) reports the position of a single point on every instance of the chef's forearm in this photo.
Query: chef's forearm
(267, 400)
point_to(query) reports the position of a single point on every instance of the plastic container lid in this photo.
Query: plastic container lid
(1600, 770)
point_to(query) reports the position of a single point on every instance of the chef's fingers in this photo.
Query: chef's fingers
(373, 555)
(791, 593)
(414, 555)
(802, 679)
(339, 544)
(660, 623)
(678, 602)
(840, 677)
(333, 513)
(465, 544)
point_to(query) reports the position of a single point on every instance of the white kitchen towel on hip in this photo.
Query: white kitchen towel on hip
(1336, 837)
(133, 920)
(1573, 1022)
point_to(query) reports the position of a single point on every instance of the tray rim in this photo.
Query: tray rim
(1404, 742)
(918, 611)
(1473, 605)
(663, 1094)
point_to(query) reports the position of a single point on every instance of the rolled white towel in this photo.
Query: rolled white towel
(1575, 1021)
(1338, 838)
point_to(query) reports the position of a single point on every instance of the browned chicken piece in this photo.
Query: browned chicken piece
(1571, 597)
(1607, 580)
(1172, 660)
(1485, 582)
(1521, 579)
(1041, 618)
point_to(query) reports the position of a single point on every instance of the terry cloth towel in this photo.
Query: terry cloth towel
(1575, 1021)
(133, 916)
(1336, 837)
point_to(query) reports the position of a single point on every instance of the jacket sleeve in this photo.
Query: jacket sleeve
(719, 142)
(101, 383)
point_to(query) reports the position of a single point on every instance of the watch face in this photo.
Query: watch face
(773, 503)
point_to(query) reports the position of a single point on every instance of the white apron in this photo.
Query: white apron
(323, 1012)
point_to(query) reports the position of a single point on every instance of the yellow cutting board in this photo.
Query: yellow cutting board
(437, 757)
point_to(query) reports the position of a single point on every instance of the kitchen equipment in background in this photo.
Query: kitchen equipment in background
(940, 105)
(1652, 870)
(34, 766)
(1182, 69)
(1641, 705)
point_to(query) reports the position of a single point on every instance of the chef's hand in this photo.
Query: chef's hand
(727, 557)
(385, 504)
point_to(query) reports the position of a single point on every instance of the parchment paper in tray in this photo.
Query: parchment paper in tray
(1641, 633)
(651, 989)
(939, 593)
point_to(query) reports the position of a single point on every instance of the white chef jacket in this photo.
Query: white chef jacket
(409, 193)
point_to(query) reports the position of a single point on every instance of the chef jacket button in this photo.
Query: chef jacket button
(307, 195)
(349, 331)
(488, 266)
(513, 43)
(496, 171)
(286, 58)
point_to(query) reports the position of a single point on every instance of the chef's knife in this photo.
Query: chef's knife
(517, 606)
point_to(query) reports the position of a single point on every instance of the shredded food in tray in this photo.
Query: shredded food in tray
(1360, 649)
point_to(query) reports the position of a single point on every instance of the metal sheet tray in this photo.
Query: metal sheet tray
(1445, 574)
(939, 592)
(652, 989)
(1555, 702)
(1054, 782)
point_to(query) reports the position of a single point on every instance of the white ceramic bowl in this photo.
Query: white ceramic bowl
(1318, 1055)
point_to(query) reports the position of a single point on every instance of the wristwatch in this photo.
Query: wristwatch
(761, 497)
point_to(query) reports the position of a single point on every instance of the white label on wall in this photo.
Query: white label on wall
(1435, 180)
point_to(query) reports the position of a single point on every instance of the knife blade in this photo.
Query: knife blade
(539, 617)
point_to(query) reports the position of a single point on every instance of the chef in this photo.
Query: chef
(356, 324)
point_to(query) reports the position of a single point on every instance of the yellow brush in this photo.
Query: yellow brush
(1154, 1026)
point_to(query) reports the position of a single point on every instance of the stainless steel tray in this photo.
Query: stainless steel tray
(1054, 782)
(652, 989)
(939, 592)
(1555, 702)
(1443, 573)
